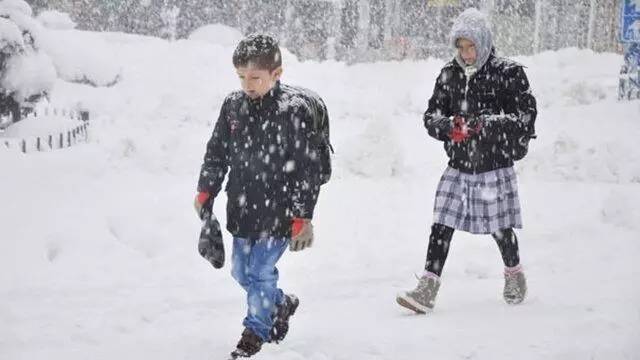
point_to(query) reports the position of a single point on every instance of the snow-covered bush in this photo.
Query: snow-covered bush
(74, 63)
(26, 73)
(17, 6)
(52, 19)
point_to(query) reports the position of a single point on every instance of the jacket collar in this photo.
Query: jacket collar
(268, 98)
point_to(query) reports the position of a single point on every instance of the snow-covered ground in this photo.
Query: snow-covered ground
(98, 254)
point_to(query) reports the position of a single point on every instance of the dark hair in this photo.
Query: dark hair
(258, 50)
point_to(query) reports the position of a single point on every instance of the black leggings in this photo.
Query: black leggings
(440, 239)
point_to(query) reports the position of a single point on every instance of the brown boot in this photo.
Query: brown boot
(248, 345)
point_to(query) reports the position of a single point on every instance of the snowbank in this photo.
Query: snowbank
(217, 34)
(84, 58)
(56, 20)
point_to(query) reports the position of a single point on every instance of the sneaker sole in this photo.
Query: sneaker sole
(412, 305)
(235, 355)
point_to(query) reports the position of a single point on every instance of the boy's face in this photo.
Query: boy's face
(257, 82)
(467, 50)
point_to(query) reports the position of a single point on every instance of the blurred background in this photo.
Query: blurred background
(360, 30)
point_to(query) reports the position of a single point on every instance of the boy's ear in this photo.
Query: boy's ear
(277, 73)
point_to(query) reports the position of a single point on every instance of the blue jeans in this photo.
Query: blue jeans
(254, 267)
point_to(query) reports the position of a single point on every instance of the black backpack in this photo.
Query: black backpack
(318, 111)
(324, 144)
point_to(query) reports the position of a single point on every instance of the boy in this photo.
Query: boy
(481, 108)
(274, 139)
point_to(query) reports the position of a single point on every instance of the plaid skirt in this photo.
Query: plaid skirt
(478, 203)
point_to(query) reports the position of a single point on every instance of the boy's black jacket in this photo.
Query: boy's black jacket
(498, 96)
(273, 150)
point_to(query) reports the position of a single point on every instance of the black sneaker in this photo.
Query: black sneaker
(281, 319)
(248, 345)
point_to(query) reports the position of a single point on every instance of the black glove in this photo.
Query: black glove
(210, 245)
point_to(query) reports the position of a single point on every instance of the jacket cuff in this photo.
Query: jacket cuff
(302, 211)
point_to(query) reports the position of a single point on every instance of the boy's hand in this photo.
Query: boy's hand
(199, 202)
(301, 234)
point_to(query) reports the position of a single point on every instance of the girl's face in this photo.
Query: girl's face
(467, 50)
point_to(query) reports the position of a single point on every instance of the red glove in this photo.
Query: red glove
(203, 197)
(460, 131)
(296, 226)
(301, 234)
(199, 201)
